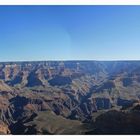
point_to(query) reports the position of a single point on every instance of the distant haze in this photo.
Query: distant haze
(69, 33)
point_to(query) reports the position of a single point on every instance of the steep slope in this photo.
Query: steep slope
(4, 87)
(118, 122)
(49, 123)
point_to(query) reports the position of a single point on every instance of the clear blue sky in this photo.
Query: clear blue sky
(69, 33)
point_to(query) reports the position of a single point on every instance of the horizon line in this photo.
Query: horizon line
(101, 60)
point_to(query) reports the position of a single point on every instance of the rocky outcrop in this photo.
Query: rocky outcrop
(4, 87)
(33, 80)
(4, 128)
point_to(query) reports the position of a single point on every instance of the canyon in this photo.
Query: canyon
(70, 97)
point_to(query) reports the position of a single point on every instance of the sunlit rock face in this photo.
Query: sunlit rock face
(4, 128)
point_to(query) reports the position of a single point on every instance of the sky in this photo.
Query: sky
(30, 33)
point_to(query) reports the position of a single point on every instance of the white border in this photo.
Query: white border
(69, 2)
(70, 137)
